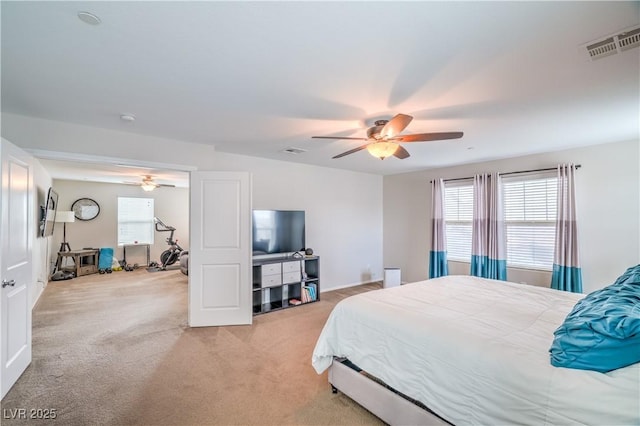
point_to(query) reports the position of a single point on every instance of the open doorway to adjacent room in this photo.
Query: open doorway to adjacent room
(109, 205)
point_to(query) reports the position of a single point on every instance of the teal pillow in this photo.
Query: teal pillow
(602, 331)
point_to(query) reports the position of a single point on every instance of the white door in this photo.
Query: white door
(15, 263)
(220, 277)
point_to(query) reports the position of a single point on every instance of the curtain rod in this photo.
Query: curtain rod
(511, 173)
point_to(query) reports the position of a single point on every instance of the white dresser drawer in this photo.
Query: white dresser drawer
(291, 266)
(291, 277)
(271, 268)
(271, 280)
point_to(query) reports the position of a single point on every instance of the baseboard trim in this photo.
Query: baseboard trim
(349, 285)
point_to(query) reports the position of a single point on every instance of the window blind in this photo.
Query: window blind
(458, 219)
(530, 206)
(135, 221)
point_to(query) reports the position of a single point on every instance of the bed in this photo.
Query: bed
(471, 350)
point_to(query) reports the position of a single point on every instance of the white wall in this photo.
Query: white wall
(42, 247)
(343, 209)
(608, 196)
(171, 205)
(343, 213)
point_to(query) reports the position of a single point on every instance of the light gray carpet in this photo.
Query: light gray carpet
(116, 349)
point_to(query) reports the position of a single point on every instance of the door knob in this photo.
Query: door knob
(8, 283)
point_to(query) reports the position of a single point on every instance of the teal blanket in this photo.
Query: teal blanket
(602, 331)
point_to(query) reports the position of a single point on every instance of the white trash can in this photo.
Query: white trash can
(392, 277)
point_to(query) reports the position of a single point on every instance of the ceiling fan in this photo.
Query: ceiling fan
(148, 184)
(383, 138)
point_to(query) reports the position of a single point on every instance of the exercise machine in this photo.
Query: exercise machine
(172, 254)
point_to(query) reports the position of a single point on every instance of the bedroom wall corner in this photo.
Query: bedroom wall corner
(407, 203)
(608, 194)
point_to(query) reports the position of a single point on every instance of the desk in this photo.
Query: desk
(129, 246)
(85, 261)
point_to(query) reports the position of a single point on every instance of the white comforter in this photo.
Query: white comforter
(476, 351)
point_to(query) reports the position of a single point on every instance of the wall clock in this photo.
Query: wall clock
(85, 209)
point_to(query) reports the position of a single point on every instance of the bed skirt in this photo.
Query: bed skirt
(387, 404)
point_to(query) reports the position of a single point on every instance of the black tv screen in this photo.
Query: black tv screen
(278, 231)
(49, 213)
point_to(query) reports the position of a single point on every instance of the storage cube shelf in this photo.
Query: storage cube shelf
(280, 283)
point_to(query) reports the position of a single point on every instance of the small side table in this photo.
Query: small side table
(129, 246)
(85, 261)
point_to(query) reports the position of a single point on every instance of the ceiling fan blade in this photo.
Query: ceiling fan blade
(425, 137)
(338, 137)
(165, 184)
(401, 153)
(396, 125)
(351, 151)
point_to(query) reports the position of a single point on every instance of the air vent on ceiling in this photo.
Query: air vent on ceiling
(615, 43)
(292, 150)
(602, 48)
(629, 39)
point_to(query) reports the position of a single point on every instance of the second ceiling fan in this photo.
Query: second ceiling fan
(383, 139)
(148, 184)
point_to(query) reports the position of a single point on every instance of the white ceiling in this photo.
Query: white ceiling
(254, 78)
(109, 173)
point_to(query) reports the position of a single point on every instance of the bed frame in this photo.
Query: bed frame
(386, 404)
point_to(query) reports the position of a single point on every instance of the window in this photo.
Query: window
(135, 220)
(458, 204)
(530, 218)
(529, 214)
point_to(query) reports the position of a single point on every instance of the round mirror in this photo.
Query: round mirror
(85, 209)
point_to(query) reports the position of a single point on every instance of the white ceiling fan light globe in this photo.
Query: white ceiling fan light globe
(382, 149)
(148, 184)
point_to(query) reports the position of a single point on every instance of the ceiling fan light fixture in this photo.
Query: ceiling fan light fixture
(382, 149)
(383, 138)
(148, 186)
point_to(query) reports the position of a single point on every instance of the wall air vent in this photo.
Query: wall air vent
(292, 150)
(613, 44)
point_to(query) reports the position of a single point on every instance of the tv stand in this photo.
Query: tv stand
(284, 282)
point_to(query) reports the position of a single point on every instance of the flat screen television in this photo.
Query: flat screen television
(278, 231)
(48, 219)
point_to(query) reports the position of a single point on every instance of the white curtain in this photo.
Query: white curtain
(488, 247)
(438, 254)
(567, 274)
